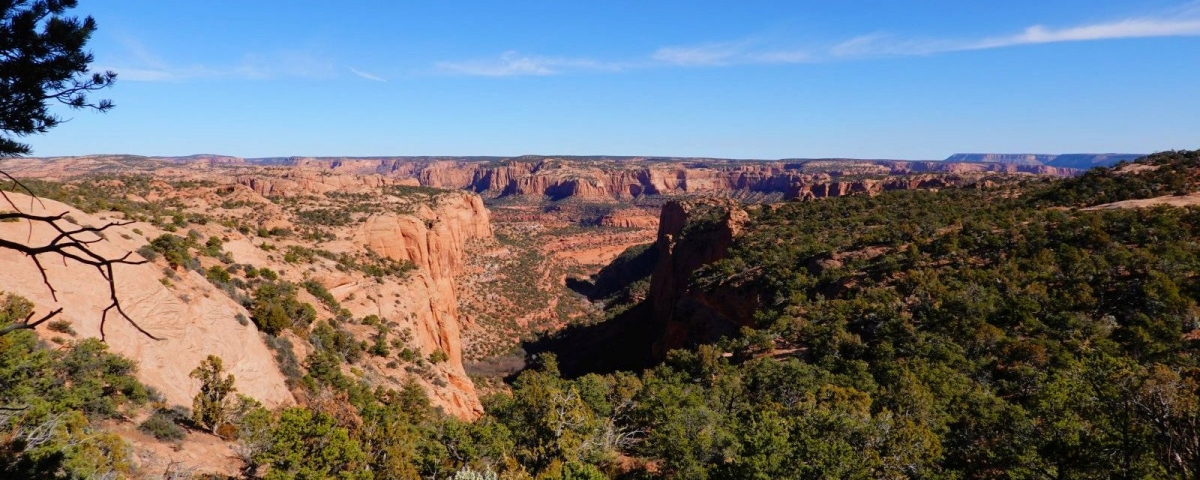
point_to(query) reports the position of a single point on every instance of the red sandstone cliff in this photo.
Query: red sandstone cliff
(433, 238)
(557, 179)
(692, 234)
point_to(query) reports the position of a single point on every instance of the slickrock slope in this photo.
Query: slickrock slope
(1189, 200)
(257, 213)
(428, 228)
(194, 319)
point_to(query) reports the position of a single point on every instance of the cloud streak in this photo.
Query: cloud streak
(1184, 23)
(707, 55)
(140, 64)
(368, 76)
(887, 45)
(512, 63)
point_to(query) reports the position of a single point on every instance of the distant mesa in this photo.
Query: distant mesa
(591, 178)
(1070, 160)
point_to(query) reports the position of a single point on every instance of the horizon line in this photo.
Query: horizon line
(647, 157)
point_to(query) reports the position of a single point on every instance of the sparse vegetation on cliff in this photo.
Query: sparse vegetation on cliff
(276, 308)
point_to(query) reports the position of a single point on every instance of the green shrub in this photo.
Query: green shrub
(217, 274)
(211, 405)
(162, 427)
(438, 356)
(61, 326)
(275, 308)
(174, 250)
(317, 290)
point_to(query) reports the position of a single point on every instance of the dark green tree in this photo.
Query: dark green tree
(43, 63)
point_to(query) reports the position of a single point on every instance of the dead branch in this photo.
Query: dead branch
(68, 244)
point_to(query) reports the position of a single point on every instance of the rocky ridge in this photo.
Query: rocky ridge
(558, 178)
(692, 234)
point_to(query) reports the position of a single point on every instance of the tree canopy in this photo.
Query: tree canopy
(43, 62)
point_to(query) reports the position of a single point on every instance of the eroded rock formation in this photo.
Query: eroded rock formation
(684, 314)
(557, 178)
(433, 238)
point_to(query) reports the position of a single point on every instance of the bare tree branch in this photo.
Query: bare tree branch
(27, 325)
(68, 245)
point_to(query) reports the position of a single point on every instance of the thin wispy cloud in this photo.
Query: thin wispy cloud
(707, 55)
(1182, 22)
(368, 76)
(727, 54)
(781, 56)
(139, 64)
(512, 63)
(1133, 28)
(888, 45)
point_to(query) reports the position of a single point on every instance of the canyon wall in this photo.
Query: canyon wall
(558, 178)
(307, 182)
(433, 238)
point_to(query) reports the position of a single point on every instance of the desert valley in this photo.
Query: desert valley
(307, 275)
(743, 249)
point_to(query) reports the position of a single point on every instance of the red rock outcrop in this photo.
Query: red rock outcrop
(301, 182)
(433, 238)
(628, 218)
(681, 313)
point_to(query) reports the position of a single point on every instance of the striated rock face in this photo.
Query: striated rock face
(302, 182)
(433, 238)
(827, 188)
(558, 179)
(589, 178)
(193, 318)
(684, 315)
(628, 218)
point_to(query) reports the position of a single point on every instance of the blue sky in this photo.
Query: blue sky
(745, 79)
